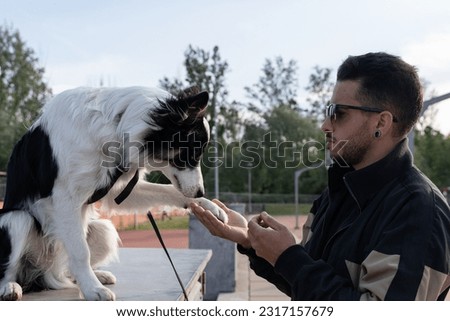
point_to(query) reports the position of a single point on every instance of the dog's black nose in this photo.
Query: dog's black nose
(199, 194)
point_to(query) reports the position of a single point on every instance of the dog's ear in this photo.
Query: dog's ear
(197, 105)
(190, 91)
(189, 105)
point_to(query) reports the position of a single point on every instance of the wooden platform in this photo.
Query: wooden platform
(146, 275)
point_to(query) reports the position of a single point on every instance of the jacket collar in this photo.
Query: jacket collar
(363, 184)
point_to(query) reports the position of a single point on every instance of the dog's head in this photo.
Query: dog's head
(179, 141)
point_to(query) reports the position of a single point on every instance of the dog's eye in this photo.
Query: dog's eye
(183, 161)
(177, 163)
(193, 161)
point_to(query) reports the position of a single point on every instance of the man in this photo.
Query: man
(381, 230)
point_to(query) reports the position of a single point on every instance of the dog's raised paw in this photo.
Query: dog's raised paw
(11, 291)
(213, 208)
(221, 215)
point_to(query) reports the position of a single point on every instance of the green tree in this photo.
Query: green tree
(22, 90)
(276, 86)
(287, 137)
(431, 156)
(319, 89)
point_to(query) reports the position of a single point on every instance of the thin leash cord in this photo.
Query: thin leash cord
(158, 234)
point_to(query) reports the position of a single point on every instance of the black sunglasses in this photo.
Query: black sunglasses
(331, 110)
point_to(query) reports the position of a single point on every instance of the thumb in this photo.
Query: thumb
(219, 203)
(269, 221)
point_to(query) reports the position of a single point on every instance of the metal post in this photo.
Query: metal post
(250, 190)
(216, 167)
(296, 177)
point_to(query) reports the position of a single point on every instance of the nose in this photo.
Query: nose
(199, 193)
(326, 125)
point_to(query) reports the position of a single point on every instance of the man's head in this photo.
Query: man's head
(388, 83)
(376, 101)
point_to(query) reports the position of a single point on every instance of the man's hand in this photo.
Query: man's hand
(269, 237)
(234, 230)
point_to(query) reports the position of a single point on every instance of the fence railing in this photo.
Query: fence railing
(230, 197)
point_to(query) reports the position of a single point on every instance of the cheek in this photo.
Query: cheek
(342, 136)
(352, 127)
(339, 135)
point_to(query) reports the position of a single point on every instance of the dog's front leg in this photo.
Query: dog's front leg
(146, 195)
(71, 230)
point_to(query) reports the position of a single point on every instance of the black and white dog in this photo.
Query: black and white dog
(88, 145)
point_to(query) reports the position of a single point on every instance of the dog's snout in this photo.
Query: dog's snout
(199, 193)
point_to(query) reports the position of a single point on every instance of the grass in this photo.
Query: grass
(182, 222)
(175, 223)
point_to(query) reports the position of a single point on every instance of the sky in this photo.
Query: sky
(138, 42)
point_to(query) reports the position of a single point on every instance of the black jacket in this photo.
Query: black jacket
(379, 233)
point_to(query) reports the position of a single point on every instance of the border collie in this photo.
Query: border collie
(93, 144)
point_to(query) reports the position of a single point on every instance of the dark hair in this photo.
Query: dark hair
(386, 82)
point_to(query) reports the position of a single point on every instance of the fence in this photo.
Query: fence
(230, 197)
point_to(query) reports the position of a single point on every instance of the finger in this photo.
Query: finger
(206, 216)
(254, 224)
(254, 220)
(255, 232)
(258, 219)
(220, 204)
(196, 209)
(202, 214)
(209, 220)
(269, 221)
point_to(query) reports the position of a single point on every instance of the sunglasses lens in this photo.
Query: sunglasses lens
(329, 111)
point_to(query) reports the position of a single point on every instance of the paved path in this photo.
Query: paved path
(249, 286)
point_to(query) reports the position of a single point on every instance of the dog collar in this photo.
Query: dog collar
(100, 193)
(127, 190)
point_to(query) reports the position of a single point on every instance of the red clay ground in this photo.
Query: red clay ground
(148, 238)
(180, 238)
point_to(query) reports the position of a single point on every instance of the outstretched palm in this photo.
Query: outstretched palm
(235, 230)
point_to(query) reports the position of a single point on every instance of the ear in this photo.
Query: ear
(385, 122)
(198, 102)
